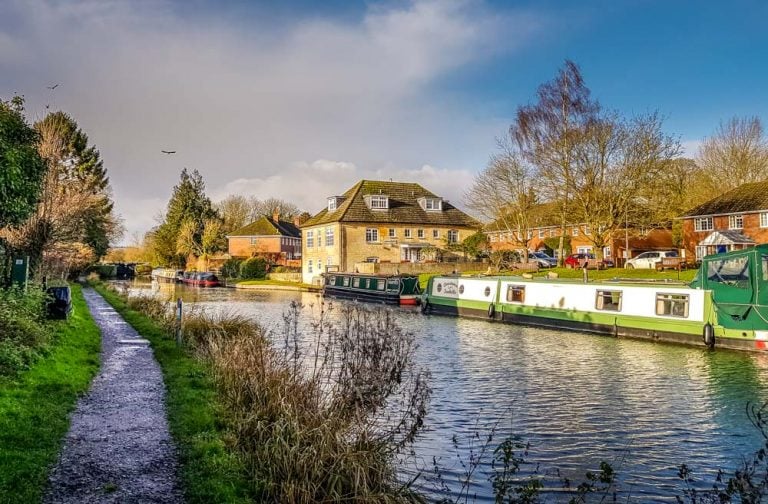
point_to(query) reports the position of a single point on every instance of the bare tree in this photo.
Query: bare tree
(235, 211)
(271, 205)
(504, 193)
(548, 131)
(736, 154)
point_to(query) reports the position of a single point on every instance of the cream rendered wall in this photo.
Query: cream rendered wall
(319, 252)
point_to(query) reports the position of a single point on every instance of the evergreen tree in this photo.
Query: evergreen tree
(188, 210)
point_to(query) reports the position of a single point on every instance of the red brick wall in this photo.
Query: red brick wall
(751, 229)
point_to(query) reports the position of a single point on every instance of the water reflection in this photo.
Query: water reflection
(578, 399)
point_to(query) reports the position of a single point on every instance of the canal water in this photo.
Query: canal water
(574, 399)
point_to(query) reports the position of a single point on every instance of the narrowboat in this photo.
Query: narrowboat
(387, 289)
(168, 275)
(726, 305)
(201, 279)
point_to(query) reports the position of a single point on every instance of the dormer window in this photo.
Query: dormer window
(377, 201)
(333, 203)
(431, 204)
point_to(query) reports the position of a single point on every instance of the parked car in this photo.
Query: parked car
(648, 260)
(542, 259)
(577, 260)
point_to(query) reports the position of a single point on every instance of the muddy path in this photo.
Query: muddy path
(118, 448)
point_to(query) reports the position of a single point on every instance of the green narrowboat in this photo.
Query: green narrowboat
(387, 289)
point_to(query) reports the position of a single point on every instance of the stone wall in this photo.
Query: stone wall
(416, 268)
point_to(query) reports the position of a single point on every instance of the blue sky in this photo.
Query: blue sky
(301, 99)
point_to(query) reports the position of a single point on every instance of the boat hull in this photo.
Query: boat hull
(368, 297)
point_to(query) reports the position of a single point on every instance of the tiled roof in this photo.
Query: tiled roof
(265, 226)
(745, 198)
(403, 208)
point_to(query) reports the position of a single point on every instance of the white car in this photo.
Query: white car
(648, 260)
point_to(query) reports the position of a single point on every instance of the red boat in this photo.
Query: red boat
(201, 279)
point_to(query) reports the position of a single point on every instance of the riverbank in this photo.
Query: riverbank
(209, 471)
(35, 404)
(275, 285)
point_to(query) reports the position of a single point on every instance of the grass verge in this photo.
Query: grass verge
(35, 404)
(210, 472)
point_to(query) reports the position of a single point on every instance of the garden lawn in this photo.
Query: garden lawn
(35, 404)
(210, 472)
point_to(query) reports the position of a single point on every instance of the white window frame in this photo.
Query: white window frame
(575, 231)
(433, 204)
(542, 233)
(736, 221)
(379, 202)
(764, 219)
(703, 224)
(435, 233)
(310, 239)
(309, 266)
(453, 236)
(407, 233)
(331, 204)
(420, 234)
(392, 233)
(329, 237)
(371, 235)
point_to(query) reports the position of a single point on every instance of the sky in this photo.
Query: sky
(300, 100)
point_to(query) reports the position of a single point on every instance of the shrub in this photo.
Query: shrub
(24, 331)
(231, 268)
(255, 267)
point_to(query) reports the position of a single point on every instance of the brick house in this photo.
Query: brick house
(272, 238)
(377, 221)
(732, 221)
(544, 236)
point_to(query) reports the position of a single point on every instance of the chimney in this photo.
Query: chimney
(296, 220)
(275, 215)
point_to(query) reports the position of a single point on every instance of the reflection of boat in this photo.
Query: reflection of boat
(725, 305)
(201, 279)
(170, 275)
(388, 289)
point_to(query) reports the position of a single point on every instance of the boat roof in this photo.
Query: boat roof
(573, 281)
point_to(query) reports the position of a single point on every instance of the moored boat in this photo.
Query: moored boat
(201, 279)
(726, 304)
(169, 275)
(387, 289)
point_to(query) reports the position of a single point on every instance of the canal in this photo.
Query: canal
(574, 399)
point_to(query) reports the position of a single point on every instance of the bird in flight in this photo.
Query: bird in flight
(52, 87)
(168, 151)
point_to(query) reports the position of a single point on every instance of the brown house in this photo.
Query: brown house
(276, 240)
(378, 222)
(732, 221)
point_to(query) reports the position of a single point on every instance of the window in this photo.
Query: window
(701, 251)
(453, 236)
(371, 235)
(329, 237)
(392, 233)
(433, 204)
(763, 219)
(733, 272)
(575, 231)
(254, 240)
(608, 300)
(407, 233)
(310, 239)
(736, 221)
(530, 234)
(356, 282)
(587, 231)
(672, 305)
(309, 266)
(461, 289)
(493, 238)
(381, 284)
(487, 291)
(542, 233)
(373, 259)
(331, 204)
(703, 224)
(516, 293)
(435, 233)
(345, 281)
(319, 266)
(379, 202)
(420, 233)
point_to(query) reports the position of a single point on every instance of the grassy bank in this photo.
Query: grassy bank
(210, 472)
(35, 404)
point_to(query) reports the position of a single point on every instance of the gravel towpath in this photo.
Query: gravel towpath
(118, 448)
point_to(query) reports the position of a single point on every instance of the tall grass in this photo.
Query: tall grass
(318, 412)
(24, 331)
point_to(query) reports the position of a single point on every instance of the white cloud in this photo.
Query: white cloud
(244, 104)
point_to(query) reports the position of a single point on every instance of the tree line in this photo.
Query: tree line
(193, 226)
(566, 159)
(57, 204)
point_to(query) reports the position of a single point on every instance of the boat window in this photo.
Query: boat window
(393, 284)
(516, 293)
(381, 284)
(487, 291)
(439, 287)
(356, 282)
(608, 300)
(733, 271)
(765, 267)
(345, 281)
(673, 305)
(331, 280)
(461, 289)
